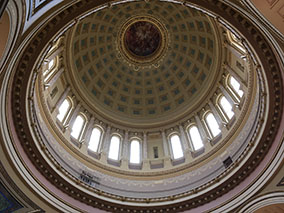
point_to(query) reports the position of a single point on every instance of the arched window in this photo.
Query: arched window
(226, 107)
(195, 138)
(77, 127)
(235, 85)
(114, 147)
(64, 108)
(135, 151)
(176, 146)
(212, 124)
(47, 73)
(95, 139)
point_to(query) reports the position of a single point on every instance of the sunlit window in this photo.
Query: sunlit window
(212, 124)
(114, 148)
(78, 126)
(63, 110)
(95, 139)
(51, 64)
(49, 71)
(176, 146)
(195, 138)
(235, 86)
(135, 152)
(226, 107)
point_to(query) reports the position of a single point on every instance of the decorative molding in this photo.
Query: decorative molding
(15, 205)
(256, 12)
(281, 11)
(15, 12)
(3, 4)
(281, 182)
(153, 60)
(271, 2)
(262, 201)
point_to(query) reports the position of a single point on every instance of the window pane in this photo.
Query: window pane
(212, 124)
(114, 148)
(77, 126)
(227, 107)
(63, 110)
(95, 139)
(195, 138)
(176, 146)
(236, 86)
(49, 67)
(135, 151)
(51, 64)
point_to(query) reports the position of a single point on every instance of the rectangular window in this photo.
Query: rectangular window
(156, 153)
(53, 92)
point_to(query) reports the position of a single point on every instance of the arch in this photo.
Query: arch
(195, 137)
(78, 126)
(212, 124)
(64, 110)
(135, 151)
(95, 139)
(114, 147)
(176, 146)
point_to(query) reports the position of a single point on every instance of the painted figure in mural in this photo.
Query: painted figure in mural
(142, 38)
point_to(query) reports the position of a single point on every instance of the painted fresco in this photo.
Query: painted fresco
(7, 202)
(142, 38)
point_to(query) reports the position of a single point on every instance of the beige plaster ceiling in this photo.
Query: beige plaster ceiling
(111, 86)
(275, 208)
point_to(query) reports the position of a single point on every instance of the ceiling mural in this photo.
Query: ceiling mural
(142, 38)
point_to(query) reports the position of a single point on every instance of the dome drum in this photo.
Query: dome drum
(171, 150)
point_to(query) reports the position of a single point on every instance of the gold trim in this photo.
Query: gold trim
(142, 62)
